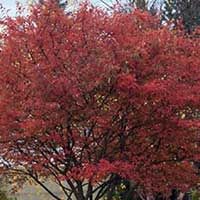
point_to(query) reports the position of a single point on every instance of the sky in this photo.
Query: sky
(11, 5)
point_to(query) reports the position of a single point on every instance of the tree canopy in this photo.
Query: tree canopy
(182, 10)
(92, 98)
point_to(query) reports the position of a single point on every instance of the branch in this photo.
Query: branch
(43, 186)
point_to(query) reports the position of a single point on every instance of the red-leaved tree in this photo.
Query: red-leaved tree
(91, 99)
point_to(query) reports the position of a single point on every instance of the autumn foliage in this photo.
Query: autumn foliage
(91, 98)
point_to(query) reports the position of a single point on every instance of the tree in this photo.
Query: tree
(129, 5)
(186, 10)
(93, 99)
(144, 4)
(61, 3)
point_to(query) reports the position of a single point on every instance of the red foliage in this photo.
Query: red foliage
(89, 95)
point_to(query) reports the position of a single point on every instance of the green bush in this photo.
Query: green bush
(3, 196)
(195, 194)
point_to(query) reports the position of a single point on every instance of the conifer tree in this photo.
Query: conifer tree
(188, 11)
